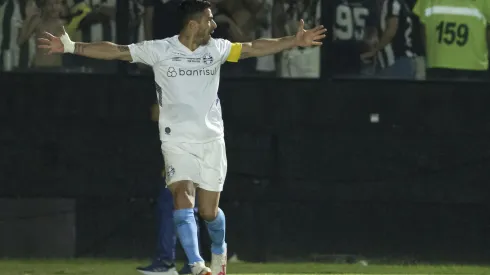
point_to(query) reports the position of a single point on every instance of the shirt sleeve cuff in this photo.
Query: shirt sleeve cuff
(133, 50)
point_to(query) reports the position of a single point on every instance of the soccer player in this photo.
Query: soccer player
(187, 68)
(455, 36)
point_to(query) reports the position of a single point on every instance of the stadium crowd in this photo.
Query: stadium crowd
(406, 39)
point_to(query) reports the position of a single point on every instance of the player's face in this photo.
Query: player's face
(206, 27)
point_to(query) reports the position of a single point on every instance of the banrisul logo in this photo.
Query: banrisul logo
(174, 72)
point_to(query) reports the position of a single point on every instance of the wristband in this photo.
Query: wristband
(68, 45)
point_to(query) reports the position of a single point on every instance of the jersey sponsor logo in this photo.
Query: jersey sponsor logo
(173, 72)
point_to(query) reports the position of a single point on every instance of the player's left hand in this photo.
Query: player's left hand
(308, 38)
(51, 43)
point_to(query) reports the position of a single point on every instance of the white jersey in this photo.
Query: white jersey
(187, 87)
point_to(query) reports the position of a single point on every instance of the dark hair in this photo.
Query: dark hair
(191, 9)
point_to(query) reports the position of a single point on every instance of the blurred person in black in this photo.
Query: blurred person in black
(417, 43)
(354, 32)
(161, 18)
(394, 50)
(239, 20)
(266, 65)
(10, 24)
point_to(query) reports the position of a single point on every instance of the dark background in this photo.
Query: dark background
(309, 173)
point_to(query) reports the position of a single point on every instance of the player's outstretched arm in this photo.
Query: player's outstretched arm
(303, 38)
(97, 50)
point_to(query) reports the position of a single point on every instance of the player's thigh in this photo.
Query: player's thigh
(181, 162)
(213, 166)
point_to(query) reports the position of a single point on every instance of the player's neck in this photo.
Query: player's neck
(188, 41)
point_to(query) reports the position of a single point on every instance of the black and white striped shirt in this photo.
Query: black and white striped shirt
(13, 57)
(402, 43)
(10, 23)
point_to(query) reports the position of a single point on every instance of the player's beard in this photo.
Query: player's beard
(205, 37)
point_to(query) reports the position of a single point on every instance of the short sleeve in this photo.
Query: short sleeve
(146, 52)
(224, 48)
(419, 10)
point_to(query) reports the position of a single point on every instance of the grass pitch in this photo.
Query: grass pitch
(127, 267)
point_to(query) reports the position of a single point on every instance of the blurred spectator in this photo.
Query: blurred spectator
(238, 21)
(298, 62)
(354, 24)
(100, 23)
(266, 65)
(92, 20)
(456, 37)
(244, 15)
(75, 12)
(48, 18)
(418, 47)
(161, 18)
(12, 15)
(152, 19)
(394, 50)
(10, 24)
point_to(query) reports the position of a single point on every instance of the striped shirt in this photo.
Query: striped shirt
(402, 44)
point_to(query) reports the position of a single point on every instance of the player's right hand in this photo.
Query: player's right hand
(51, 43)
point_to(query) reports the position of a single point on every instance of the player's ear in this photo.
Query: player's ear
(193, 25)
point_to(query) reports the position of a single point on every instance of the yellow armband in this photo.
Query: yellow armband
(235, 52)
